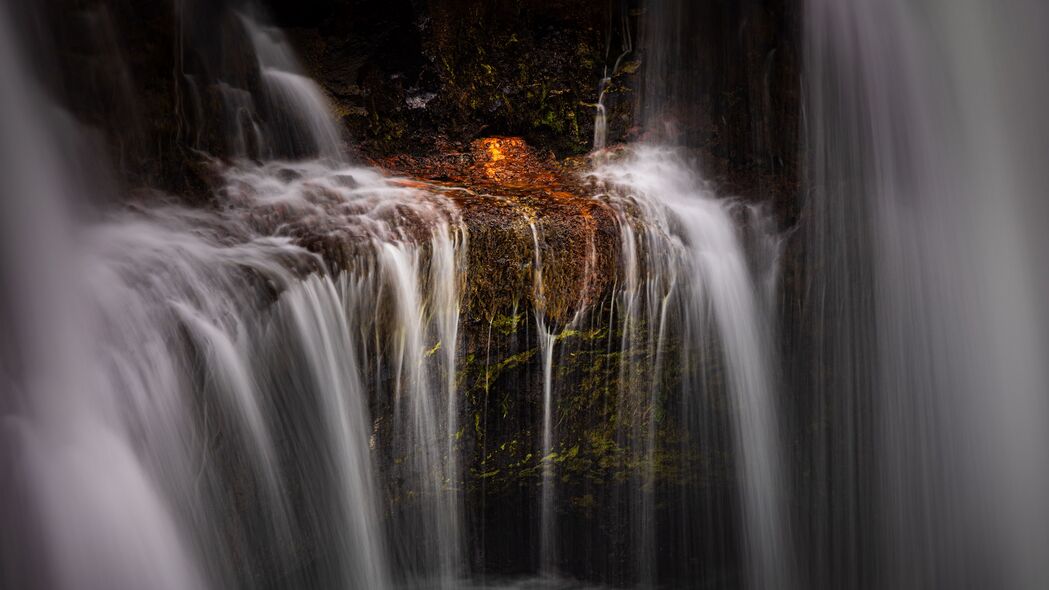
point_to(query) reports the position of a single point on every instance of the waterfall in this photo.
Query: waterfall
(246, 367)
(708, 289)
(928, 344)
(269, 108)
(374, 334)
(699, 279)
(191, 403)
(547, 524)
(267, 380)
(420, 438)
(301, 119)
(70, 461)
(235, 357)
(314, 313)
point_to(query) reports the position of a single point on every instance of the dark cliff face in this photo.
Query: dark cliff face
(427, 77)
(423, 77)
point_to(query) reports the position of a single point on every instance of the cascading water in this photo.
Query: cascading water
(376, 328)
(216, 346)
(300, 119)
(70, 460)
(267, 407)
(708, 290)
(927, 367)
(284, 377)
(687, 267)
(626, 46)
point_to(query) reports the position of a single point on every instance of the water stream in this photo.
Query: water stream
(689, 268)
(278, 382)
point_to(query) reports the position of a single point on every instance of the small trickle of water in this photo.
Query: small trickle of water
(547, 344)
(601, 116)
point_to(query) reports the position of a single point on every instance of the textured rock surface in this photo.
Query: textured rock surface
(514, 203)
(419, 77)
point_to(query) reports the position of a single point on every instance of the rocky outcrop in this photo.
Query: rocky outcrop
(522, 213)
(541, 244)
(427, 77)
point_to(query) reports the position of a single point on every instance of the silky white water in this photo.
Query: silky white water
(190, 404)
(922, 124)
(547, 344)
(275, 371)
(689, 264)
(685, 263)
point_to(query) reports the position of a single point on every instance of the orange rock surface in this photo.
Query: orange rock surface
(515, 202)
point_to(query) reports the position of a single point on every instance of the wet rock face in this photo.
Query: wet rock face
(425, 77)
(538, 245)
(418, 77)
(541, 244)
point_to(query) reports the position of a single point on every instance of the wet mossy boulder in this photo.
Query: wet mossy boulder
(535, 238)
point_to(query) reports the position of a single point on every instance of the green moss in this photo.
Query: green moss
(510, 362)
(630, 67)
(433, 350)
(507, 324)
(603, 438)
(595, 333)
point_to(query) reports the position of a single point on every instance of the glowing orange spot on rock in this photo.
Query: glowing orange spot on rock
(510, 162)
(497, 151)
